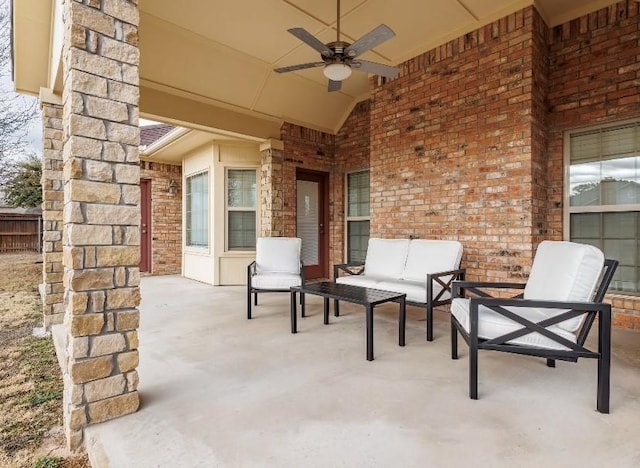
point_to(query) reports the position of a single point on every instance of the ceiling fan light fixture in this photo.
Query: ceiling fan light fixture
(337, 71)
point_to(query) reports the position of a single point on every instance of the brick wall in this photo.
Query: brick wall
(451, 144)
(166, 217)
(594, 79)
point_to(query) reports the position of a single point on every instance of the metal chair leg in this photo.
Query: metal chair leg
(604, 361)
(454, 340)
(551, 363)
(249, 303)
(429, 322)
(473, 353)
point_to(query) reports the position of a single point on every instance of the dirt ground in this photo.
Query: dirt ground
(31, 433)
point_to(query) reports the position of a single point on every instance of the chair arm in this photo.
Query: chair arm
(434, 279)
(458, 287)
(348, 269)
(251, 269)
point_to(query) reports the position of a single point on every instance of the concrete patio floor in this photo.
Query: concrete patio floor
(219, 390)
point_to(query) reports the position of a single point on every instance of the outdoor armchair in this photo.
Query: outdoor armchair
(276, 269)
(550, 318)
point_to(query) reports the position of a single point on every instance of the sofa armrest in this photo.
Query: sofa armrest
(444, 279)
(351, 268)
(251, 269)
(476, 287)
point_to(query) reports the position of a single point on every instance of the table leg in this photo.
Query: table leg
(369, 333)
(402, 320)
(326, 311)
(336, 308)
(294, 313)
(302, 305)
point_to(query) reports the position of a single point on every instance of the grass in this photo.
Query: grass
(30, 380)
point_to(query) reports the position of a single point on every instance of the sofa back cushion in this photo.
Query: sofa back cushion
(278, 255)
(565, 271)
(431, 256)
(386, 257)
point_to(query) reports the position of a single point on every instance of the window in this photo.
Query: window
(197, 225)
(604, 197)
(357, 215)
(241, 209)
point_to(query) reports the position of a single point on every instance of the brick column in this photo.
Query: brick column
(52, 200)
(271, 189)
(101, 211)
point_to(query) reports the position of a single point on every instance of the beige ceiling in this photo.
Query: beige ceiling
(217, 56)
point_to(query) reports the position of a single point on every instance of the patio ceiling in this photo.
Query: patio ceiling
(216, 57)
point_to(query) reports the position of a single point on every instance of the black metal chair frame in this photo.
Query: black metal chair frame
(575, 351)
(251, 271)
(357, 268)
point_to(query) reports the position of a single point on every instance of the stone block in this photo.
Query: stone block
(73, 257)
(131, 194)
(118, 256)
(97, 301)
(78, 347)
(90, 369)
(132, 381)
(132, 339)
(128, 361)
(105, 388)
(73, 169)
(122, 10)
(78, 35)
(77, 418)
(106, 109)
(113, 152)
(77, 302)
(133, 276)
(113, 214)
(107, 344)
(86, 324)
(90, 257)
(123, 298)
(121, 133)
(127, 320)
(131, 236)
(114, 407)
(73, 213)
(88, 191)
(128, 174)
(93, 19)
(86, 83)
(130, 74)
(83, 147)
(73, 438)
(120, 277)
(89, 234)
(120, 51)
(87, 126)
(86, 280)
(123, 92)
(95, 64)
(98, 170)
(73, 393)
(133, 153)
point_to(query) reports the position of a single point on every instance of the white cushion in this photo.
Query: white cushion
(279, 281)
(564, 271)
(431, 256)
(278, 254)
(364, 281)
(416, 291)
(386, 258)
(492, 324)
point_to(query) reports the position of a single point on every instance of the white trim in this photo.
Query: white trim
(227, 250)
(198, 249)
(348, 218)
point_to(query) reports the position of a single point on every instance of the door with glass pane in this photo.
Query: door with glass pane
(312, 222)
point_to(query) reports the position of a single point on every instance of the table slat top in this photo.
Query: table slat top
(349, 293)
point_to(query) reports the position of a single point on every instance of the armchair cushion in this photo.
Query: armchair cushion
(364, 281)
(564, 271)
(386, 257)
(276, 281)
(415, 290)
(492, 324)
(278, 255)
(431, 256)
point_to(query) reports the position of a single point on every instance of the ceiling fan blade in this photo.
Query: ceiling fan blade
(334, 86)
(370, 40)
(300, 66)
(375, 68)
(306, 37)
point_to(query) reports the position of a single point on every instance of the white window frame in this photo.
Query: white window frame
(348, 218)
(199, 248)
(228, 209)
(568, 209)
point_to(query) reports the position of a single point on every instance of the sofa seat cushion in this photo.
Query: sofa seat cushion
(277, 281)
(565, 271)
(386, 258)
(492, 324)
(364, 281)
(416, 291)
(431, 256)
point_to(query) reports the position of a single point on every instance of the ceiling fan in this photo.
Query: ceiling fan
(339, 58)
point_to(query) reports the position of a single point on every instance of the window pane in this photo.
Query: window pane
(242, 230)
(357, 239)
(358, 194)
(616, 234)
(241, 188)
(197, 216)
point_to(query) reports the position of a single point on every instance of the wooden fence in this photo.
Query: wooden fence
(20, 233)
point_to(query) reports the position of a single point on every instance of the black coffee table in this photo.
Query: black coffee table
(356, 295)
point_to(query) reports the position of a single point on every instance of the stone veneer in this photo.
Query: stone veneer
(271, 190)
(52, 202)
(101, 213)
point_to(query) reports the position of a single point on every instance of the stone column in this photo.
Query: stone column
(101, 214)
(52, 200)
(271, 189)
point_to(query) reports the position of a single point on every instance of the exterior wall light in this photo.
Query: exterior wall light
(172, 187)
